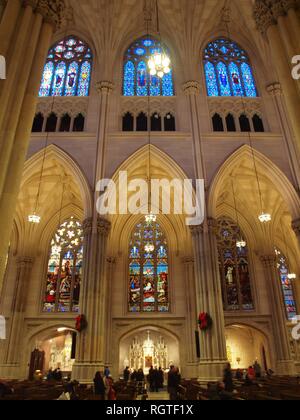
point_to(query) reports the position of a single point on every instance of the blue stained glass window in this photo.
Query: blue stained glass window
(46, 79)
(211, 80)
(85, 79)
(71, 83)
(67, 71)
(136, 77)
(248, 81)
(224, 84)
(167, 84)
(129, 79)
(59, 79)
(227, 70)
(236, 82)
(142, 79)
(287, 287)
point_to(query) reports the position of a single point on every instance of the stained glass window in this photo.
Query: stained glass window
(67, 71)
(65, 269)
(227, 70)
(148, 271)
(234, 268)
(287, 287)
(136, 78)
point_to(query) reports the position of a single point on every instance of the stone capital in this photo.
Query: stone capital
(296, 226)
(192, 88)
(53, 11)
(274, 89)
(212, 225)
(104, 86)
(24, 262)
(268, 260)
(111, 260)
(103, 226)
(278, 9)
(87, 226)
(263, 15)
(196, 230)
(290, 4)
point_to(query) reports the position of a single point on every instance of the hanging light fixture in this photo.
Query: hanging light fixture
(150, 219)
(159, 63)
(265, 218)
(34, 218)
(240, 243)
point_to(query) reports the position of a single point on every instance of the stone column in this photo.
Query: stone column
(209, 299)
(191, 314)
(266, 23)
(293, 20)
(192, 89)
(8, 24)
(90, 355)
(8, 199)
(275, 92)
(285, 365)
(296, 228)
(111, 261)
(10, 364)
(14, 67)
(8, 133)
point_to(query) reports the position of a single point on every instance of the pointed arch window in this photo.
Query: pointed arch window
(234, 268)
(67, 71)
(228, 71)
(136, 77)
(65, 269)
(148, 271)
(286, 284)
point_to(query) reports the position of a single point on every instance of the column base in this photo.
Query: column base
(12, 371)
(84, 372)
(285, 367)
(211, 371)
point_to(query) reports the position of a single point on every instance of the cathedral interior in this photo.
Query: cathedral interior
(167, 90)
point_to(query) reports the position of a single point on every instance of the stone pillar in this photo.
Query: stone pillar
(266, 23)
(293, 20)
(191, 314)
(10, 365)
(296, 229)
(192, 89)
(284, 363)
(209, 299)
(9, 196)
(111, 261)
(275, 92)
(8, 24)
(90, 355)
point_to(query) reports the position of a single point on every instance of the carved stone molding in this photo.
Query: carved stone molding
(111, 260)
(196, 230)
(87, 226)
(224, 106)
(192, 88)
(296, 226)
(188, 260)
(103, 226)
(136, 105)
(104, 87)
(53, 11)
(263, 15)
(63, 105)
(268, 260)
(24, 262)
(274, 89)
(212, 225)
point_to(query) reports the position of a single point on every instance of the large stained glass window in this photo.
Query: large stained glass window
(148, 271)
(67, 71)
(227, 70)
(287, 287)
(65, 269)
(136, 78)
(234, 268)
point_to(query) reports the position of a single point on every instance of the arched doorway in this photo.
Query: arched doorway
(245, 345)
(148, 347)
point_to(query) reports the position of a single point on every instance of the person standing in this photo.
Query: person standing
(228, 379)
(161, 378)
(106, 372)
(174, 379)
(99, 386)
(126, 374)
(258, 370)
(151, 379)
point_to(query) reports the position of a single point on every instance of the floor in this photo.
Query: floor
(158, 396)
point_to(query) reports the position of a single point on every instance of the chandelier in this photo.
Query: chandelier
(159, 64)
(241, 244)
(265, 218)
(34, 219)
(150, 218)
(292, 276)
